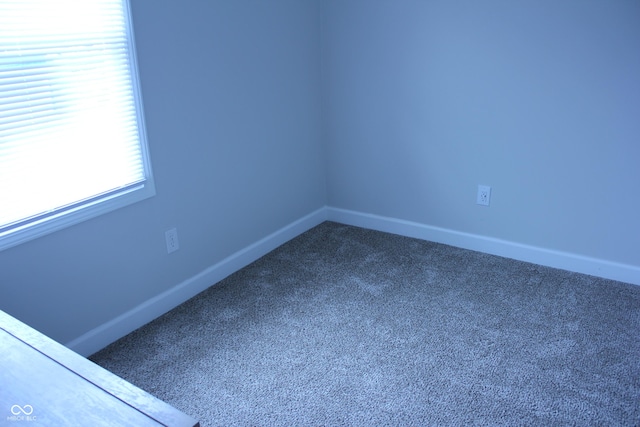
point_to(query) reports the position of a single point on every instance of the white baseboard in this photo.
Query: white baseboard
(551, 258)
(122, 325)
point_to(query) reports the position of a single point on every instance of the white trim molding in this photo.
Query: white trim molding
(149, 310)
(547, 257)
(131, 320)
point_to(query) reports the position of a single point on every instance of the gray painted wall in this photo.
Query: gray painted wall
(538, 99)
(232, 106)
(402, 107)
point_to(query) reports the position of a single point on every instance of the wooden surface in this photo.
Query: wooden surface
(43, 383)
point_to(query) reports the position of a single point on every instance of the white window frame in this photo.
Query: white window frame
(32, 228)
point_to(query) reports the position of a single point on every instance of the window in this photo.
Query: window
(72, 138)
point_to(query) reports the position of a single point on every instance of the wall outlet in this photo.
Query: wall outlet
(484, 195)
(171, 236)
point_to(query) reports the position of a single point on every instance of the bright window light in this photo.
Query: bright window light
(72, 140)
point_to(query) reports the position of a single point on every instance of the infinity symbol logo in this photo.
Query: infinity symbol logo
(26, 409)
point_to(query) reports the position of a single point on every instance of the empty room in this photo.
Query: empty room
(342, 212)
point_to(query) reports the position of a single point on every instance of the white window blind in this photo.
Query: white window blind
(72, 141)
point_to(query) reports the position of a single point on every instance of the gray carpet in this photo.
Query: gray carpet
(346, 326)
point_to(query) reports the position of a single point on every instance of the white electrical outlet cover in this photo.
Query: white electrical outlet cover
(171, 236)
(484, 195)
